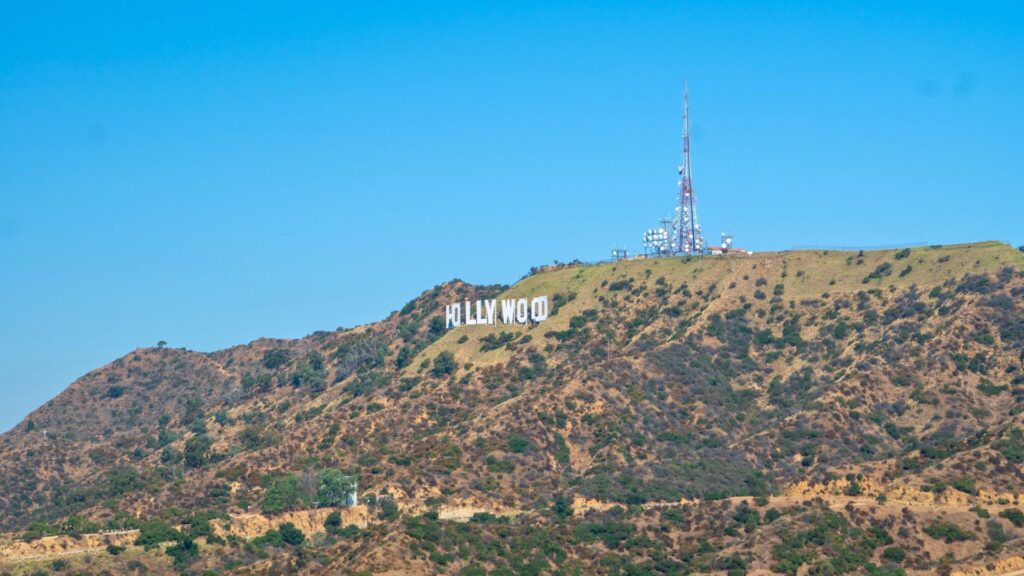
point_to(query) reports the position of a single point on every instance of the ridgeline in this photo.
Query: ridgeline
(837, 412)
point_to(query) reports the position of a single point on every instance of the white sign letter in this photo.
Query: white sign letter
(491, 305)
(539, 309)
(508, 311)
(452, 315)
(480, 319)
(522, 309)
(470, 321)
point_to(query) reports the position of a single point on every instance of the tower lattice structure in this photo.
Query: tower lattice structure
(686, 238)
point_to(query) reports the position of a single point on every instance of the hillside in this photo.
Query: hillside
(830, 412)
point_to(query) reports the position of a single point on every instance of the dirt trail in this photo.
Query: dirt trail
(244, 525)
(57, 546)
(311, 521)
(1011, 566)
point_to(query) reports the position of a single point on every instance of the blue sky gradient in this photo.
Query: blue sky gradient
(208, 175)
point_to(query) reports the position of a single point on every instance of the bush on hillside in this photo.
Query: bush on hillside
(1012, 448)
(492, 342)
(404, 357)
(997, 535)
(334, 488)
(518, 443)
(291, 535)
(948, 532)
(184, 551)
(444, 364)
(894, 554)
(388, 510)
(964, 484)
(1014, 515)
(282, 494)
(332, 522)
(358, 351)
(154, 532)
(310, 374)
(197, 451)
(276, 358)
(882, 270)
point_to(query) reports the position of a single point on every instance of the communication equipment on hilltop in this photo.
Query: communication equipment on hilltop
(681, 235)
(656, 242)
(726, 247)
(620, 254)
(687, 239)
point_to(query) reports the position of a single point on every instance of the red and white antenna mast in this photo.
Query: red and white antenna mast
(687, 238)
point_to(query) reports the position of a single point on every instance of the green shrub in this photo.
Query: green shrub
(154, 532)
(1014, 515)
(388, 510)
(436, 326)
(282, 494)
(518, 443)
(882, 270)
(444, 364)
(270, 538)
(291, 535)
(276, 358)
(492, 342)
(333, 526)
(310, 374)
(964, 484)
(562, 506)
(404, 357)
(894, 554)
(853, 489)
(611, 533)
(997, 536)
(847, 549)
(791, 332)
(747, 516)
(986, 387)
(184, 551)
(37, 529)
(1012, 448)
(333, 521)
(424, 528)
(197, 451)
(948, 532)
(335, 488)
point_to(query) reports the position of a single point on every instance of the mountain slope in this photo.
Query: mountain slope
(892, 374)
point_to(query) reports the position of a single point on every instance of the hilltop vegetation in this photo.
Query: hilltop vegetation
(790, 395)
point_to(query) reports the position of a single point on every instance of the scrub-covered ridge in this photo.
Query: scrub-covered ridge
(792, 412)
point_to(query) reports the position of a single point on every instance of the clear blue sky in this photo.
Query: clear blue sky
(210, 174)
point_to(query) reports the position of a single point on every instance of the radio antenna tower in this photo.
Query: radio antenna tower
(687, 238)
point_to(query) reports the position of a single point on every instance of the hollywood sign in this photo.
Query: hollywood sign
(513, 311)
